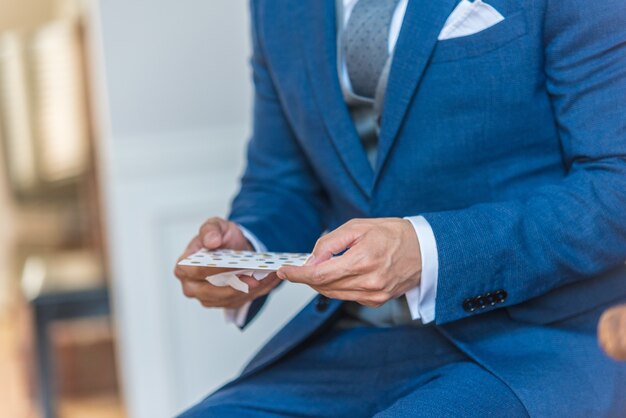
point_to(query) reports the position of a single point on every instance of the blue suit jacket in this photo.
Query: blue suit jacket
(510, 142)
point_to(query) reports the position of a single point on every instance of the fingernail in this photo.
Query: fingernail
(211, 240)
(309, 260)
(281, 275)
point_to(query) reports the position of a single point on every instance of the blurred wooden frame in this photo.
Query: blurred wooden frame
(44, 115)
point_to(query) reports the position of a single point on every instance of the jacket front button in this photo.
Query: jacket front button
(321, 304)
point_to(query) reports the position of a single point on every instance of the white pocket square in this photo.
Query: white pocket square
(468, 18)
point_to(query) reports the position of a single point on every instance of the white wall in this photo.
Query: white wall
(174, 98)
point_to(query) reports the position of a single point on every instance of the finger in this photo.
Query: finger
(340, 295)
(261, 287)
(267, 284)
(194, 246)
(370, 299)
(185, 272)
(207, 292)
(333, 243)
(362, 282)
(189, 272)
(197, 273)
(250, 281)
(254, 284)
(236, 299)
(235, 302)
(272, 276)
(212, 233)
(326, 272)
(232, 237)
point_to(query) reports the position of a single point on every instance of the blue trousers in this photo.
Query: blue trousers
(363, 372)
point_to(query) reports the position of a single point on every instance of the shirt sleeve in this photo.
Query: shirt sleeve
(238, 316)
(421, 299)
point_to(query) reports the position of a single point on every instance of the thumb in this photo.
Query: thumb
(212, 233)
(212, 240)
(331, 244)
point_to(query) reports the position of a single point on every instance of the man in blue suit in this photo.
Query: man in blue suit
(469, 162)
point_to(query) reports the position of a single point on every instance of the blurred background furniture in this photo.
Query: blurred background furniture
(48, 310)
(140, 109)
(52, 262)
(65, 288)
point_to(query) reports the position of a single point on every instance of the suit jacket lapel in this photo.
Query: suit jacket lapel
(319, 47)
(422, 24)
(308, 321)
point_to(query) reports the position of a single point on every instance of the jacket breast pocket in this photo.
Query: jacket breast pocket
(485, 41)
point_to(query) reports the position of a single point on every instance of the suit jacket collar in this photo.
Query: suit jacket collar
(319, 47)
(422, 23)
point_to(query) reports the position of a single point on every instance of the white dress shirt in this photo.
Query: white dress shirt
(421, 299)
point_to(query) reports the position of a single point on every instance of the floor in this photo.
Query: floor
(15, 397)
(14, 384)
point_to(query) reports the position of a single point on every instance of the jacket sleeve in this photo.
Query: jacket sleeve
(565, 232)
(280, 200)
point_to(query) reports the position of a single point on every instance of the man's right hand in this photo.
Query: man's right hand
(218, 233)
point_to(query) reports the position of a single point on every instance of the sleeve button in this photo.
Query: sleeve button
(501, 296)
(469, 305)
(491, 299)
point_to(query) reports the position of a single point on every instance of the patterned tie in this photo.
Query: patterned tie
(367, 43)
(366, 51)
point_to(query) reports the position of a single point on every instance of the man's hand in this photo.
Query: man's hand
(219, 233)
(612, 332)
(382, 261)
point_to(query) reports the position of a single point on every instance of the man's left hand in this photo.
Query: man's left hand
(381, 261)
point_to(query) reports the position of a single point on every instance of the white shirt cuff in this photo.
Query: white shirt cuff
(238, 316)
(421, 299)
(258, 246)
